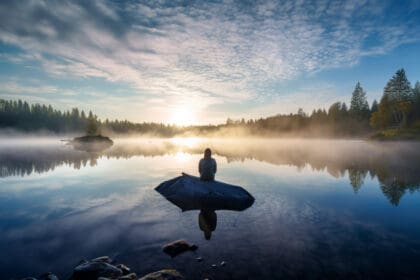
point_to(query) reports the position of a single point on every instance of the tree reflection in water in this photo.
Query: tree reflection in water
(395, 165)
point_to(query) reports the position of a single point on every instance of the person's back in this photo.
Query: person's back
(207, 167)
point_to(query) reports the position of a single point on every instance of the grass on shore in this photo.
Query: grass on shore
(396, 134)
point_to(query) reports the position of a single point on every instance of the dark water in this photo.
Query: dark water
(323, 209)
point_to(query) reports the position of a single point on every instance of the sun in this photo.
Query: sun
(183, 116)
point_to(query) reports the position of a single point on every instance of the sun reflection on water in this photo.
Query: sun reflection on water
(189, 142)
(182, 157)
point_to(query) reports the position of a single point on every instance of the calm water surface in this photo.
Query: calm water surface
(323, 209)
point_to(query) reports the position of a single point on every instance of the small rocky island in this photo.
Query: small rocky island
(93, 141)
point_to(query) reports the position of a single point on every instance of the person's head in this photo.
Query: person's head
(207, 153)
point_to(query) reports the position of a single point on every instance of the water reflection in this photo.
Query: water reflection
(207, 221)
(395, 165)
(303, 224)
(90, 147)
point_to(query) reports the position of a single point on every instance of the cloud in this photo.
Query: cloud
(209, 52)
(14, 87)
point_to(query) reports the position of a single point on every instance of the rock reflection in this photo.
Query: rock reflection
(395, 165)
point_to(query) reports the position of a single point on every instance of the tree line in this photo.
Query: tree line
(399, 107)
(19, 115)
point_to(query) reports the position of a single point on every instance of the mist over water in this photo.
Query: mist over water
(395, 165)
(323, 208)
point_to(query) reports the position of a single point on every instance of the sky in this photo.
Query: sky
(200, 62)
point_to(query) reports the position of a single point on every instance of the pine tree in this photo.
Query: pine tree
(359, 107)
(374, 107)
(398, 88)
(344, 110)
(92, 125)
(400, 97)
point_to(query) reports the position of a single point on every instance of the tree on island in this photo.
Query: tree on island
(92, 125)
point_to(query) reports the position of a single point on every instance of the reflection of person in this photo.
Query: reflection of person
(207, 166)
(207, 221)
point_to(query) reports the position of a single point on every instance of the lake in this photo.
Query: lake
(323, 208)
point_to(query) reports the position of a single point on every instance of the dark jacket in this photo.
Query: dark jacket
(207, 168)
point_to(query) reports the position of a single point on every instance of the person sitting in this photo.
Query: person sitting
(207, 166)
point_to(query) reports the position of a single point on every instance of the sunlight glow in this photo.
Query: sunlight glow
(182, 157)
(189, 142)
(183, 115)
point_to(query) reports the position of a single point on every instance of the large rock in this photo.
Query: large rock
(166, 274)
(95, 269)
(177, 247)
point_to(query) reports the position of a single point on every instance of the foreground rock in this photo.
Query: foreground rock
(131, 276)
(45, 276)
(94, 269)
(177, 247)
(166, 274)
(104, 268)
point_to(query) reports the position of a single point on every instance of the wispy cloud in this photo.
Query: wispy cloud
(209, 52)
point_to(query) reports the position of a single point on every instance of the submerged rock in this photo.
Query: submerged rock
(166, 274)
(95, 269)
(177, 247)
